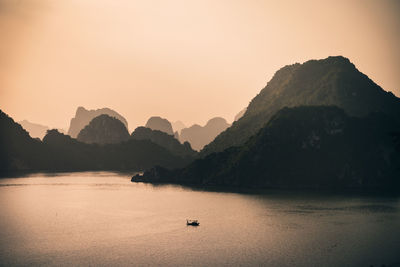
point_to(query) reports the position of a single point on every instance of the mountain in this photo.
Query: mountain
(199, 136)
(59, 152)
(35, 130)
(84, 116)
(331, 81)
(18, 149)
(240, 114)
(165, 140)
(70, 154)
(303, 147)
(178, 126)
(104, 130)
(160, 124)
(176, 136)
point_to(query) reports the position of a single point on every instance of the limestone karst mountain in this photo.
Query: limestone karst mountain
(199, 136)
(104, 129)
(59, 152)
(35, 130)
(177, 126)
(331, 81)
(84, 116)
(303, 147)
(160, 124)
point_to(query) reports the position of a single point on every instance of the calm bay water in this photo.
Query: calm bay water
(103, 219)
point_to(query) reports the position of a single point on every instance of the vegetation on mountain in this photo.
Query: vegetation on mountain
(331, 81)
(165, 140)
(59, 152)
(104, 130)
(303, 147)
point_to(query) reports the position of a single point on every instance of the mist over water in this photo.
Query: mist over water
(103, 219)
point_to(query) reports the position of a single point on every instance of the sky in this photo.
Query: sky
(179, 59)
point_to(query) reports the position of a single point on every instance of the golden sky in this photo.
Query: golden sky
(179, 59)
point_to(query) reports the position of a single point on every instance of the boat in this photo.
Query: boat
(192, 222)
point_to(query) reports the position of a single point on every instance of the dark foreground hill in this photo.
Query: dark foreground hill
(18, 150)
(165, 140)
(59, 152)
(331, 81)
(303, 147)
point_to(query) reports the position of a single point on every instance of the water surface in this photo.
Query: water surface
(102, 218)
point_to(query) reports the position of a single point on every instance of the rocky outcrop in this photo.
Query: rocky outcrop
(160, 124)
(84, 116)
(104, 130)
(199, 136)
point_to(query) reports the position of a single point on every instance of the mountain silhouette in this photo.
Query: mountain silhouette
(177, 126)
(60, 152)
(199, 136)
(18, 150)
(160, 124)
(104, 130)
(84, 116)
(303, 147)
(35, 130)
(240, 114)
(165, 140)
(331, 81)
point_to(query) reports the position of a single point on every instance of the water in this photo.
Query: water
(104, 219)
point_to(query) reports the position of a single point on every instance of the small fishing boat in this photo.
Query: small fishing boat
(192, 222)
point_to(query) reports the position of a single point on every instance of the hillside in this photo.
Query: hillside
(165, 140)
(104, 130)
(17, 149)
(331, 81)
(303, 147)
(59, 152)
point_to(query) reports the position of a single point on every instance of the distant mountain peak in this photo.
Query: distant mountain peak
(84, 116)
(160, 124)
(199, 136)
(35, 130)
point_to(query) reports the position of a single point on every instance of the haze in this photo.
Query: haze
(182, 60)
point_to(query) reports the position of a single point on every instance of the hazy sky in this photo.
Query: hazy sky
(179, 59)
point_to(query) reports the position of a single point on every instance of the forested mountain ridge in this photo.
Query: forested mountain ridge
(333, 81)
(303, 147)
